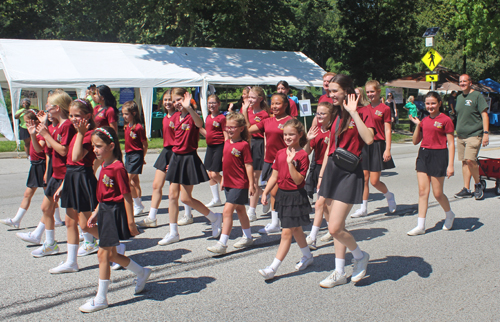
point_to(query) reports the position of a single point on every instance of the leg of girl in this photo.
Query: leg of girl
(156, 196)
(437, 189)
(214, 218)
(70, 265)
(227, 224)
(424, 189)
(215, 179)
(380, 186)
(254, 200)
(318, 219)
(342, 240)
(135, 190)
(173, 213)
(25, 204)
(49, 247)
(247, 238)
(274, 225)
(90, 235)
(363, 210)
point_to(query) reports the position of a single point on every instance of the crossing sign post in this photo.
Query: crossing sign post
(431, 78)
(432, 59)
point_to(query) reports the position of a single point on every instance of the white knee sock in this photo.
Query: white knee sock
(152, 213)
(314, 232)
(88, 237)
(39, 230)
(247, 233)
(339, 265)
(49, 236)
(306, 252)
(274, 219)
(357, 253)
(187, 211)
(421, 223)
(251, 210)
(364, 205)
(72, 252)
(102, 291)
(137, 202)
(276, 264)
(57, 214)
(215, 192)
(20, 214)
(211, 216)
(174, 229)
(450, 214)
(135, 268)
(223, 239)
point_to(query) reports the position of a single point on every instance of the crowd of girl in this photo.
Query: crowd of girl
(258, 143)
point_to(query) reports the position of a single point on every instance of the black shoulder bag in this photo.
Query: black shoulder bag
(343, 158)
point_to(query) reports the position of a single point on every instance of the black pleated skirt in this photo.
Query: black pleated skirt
(339, 184)
(267, 171)
(80, 187)
(52, 185)
(164, 159)
(134, 161)
(293, 208)
(35, 177)
(112, 224)
(372, 157)
(257, 148)
(186, 169)
(236, 196)
(213, 157)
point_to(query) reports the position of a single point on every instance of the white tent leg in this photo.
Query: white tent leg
(203, 99)
(15, 97)
(147, 107)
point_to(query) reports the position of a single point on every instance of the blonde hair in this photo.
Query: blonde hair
(215, 97)
(240, 120)
(61, 99)
(363, 99)
(299, 127)
(373, 83)
(132, 108)
(329, 106)
(260, 92)
(411, 98)
(329, 74)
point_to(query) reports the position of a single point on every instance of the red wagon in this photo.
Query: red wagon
(489, 169)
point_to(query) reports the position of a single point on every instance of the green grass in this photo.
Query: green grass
(10, 146)
(157, 143)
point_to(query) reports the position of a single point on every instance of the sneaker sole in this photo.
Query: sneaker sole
(141, 289)
(173, 241)
(88, 253)
(69, 270)
(95, 309)
(48, 254)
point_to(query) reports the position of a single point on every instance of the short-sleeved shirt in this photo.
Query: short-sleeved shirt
(52, 129)
(88, 159)
(63, 134)
(255, 118)
(91, 100)
(187, 135)
(452, 101)
(325, 98)
(169, 129)
(412, 109)
(434, 131)
(293, 108)
(301, 162)
(215, 127)
(273, 129)
(381, 114)
(134, 136)
(468, 110)
(350, 139)
(319, 144)
(104, 116)
(113, 183)
(236, 155)
(37, 156)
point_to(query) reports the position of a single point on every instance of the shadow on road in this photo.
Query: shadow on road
(468, 224)
(159, 257)
(389, 173)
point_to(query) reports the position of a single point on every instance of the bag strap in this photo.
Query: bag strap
(337, 124)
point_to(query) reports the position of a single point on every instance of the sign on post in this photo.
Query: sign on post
(432, 59)
(432, 78)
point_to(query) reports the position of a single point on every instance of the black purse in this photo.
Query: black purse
(344, 159)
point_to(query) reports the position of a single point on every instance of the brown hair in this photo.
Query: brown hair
(179, 91)
(284, 99)
(329, 106)
(169, 93)
(83, 105)
(345, 82)
(240, 120)
(363, 99)
(260, 92)
(131, 107)
(297, 125)
(373, 83)
(102, 133)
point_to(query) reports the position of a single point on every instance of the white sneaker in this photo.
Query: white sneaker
(252, 216)
(81, 236)
(58, 223)
(326, 237)
(120, 249)
(93, 306)
(46, 250)
(448, 223)
(359, 213)
(243, 242)
(359, 267)
(267, 272)
(416, 231)
(269, 229)
(311, 243)
(303, 263)
(169, 240)
(88, 248)
(214, 203)
(9, 222)
(64, 268)
(217, 248)
(185, 220)
(138, 210)
(391, 202)
(266, 208)
(28, 237)
(217, 226)
(333, 279)
(147, 223)
(141, 281)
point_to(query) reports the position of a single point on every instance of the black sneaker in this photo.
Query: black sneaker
(479, 191)
(464, 193)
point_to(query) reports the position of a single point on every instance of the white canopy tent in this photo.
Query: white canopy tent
(41, 65)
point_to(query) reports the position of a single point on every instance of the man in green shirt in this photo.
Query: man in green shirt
(472, 130)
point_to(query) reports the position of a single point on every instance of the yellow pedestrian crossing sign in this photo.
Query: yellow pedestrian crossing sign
(432, 59)
(431, 78)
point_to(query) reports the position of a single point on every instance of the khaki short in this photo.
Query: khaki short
(468, 149)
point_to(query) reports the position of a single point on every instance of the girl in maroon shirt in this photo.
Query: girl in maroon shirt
(136, 147)
(186, 169)
(292, 203)
(353, 126)
(256, 110)
(273, 131)
(215, 134)
(112, 216)
(36, 175)
(435, 159)
(284, 88)
(237, 182)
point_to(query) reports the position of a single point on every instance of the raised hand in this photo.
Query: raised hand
(31, 125)
(81, 126)
(312, 133)
(290, 154)
(42, 129)
(186, 101)
(415, 120)
(42, 116)
(351, 104)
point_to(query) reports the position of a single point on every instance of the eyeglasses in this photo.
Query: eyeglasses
(232, 128)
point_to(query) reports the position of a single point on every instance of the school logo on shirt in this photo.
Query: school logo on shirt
(352, 124)
(257, 119)
(468, 102)
(101, 115)
(216, 124)
(108, 182)
(133, 135)
(379, 113)
(438, 125)
(281, 127)
(185, 127)
(172, 125)
(326, 140)
(235, 152)
(59, 138)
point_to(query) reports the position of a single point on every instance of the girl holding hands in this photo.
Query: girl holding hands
(435, 159)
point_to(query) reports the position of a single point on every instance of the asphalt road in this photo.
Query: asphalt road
(439, 276)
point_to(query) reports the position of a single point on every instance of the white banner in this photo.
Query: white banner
(5, 126)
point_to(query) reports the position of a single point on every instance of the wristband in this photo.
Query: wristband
(486, 132)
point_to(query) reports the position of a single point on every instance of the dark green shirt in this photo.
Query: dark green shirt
(469, 109)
